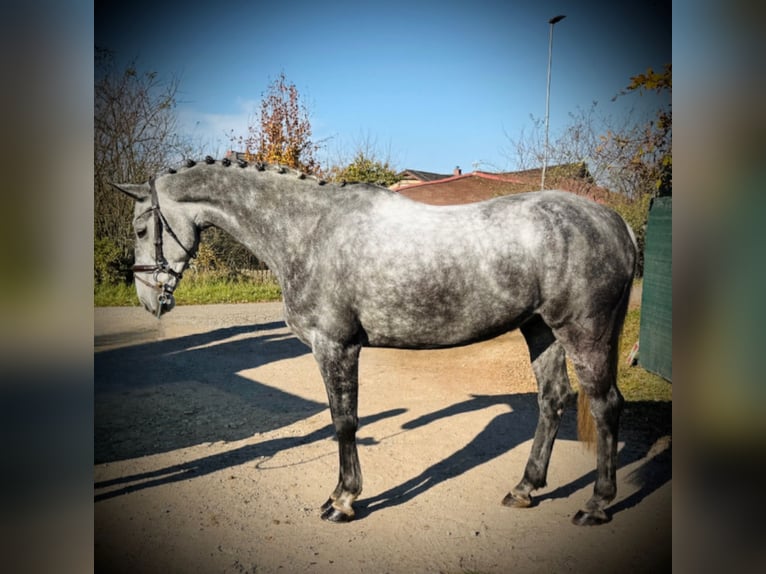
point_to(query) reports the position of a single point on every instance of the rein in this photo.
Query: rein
(161, 264)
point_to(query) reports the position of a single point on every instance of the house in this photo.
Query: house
(410, 177)
(462, 188)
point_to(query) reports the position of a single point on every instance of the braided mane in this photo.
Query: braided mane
(243, 164)
(256, 166)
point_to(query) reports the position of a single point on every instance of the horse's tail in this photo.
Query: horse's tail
(586, 426)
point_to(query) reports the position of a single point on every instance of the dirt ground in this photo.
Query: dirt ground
(214, 451)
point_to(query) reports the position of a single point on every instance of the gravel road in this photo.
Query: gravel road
(214, 450)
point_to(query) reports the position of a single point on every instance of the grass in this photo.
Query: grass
(197, 289)
(635, 383)
(115, 295)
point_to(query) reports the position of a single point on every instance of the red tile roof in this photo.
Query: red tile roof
(478, 185)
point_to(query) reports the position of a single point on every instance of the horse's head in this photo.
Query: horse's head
(166, 238)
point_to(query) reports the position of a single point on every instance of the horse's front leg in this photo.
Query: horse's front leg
(339, 365)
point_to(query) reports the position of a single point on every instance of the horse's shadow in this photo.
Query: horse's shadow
(169, 394)
(502, 434)
(220, 461)
(518, 426)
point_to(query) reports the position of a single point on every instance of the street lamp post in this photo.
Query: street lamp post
(552, 21)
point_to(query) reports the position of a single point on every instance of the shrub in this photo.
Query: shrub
(107, 261)
(205, 260)
(635, 212)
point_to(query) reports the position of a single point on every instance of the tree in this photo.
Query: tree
(283, 132)
(366, 162)
(631, 158)
(568, 151)
(646, 152)
(134, 137)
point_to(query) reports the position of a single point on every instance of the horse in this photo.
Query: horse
(360, 265)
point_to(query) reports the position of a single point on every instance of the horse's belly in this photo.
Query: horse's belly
(442, 306)
(420, 328)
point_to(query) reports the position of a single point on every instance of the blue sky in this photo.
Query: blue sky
(433, 84)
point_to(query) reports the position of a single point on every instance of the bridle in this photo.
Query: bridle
(161, 264)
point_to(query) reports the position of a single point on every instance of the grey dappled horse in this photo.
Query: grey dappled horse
(360, 265)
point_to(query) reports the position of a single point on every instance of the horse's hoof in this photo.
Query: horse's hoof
(515, 501)
(326, 506)
(332, 514)
(593, 518)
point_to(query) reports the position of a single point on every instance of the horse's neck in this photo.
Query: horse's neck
(274, 224)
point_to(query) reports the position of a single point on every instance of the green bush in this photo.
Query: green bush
(636, 213)
(365, 168)
(107, 262)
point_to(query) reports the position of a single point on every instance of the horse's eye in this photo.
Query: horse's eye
(141, 232)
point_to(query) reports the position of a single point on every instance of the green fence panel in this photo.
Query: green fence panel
(656, 330)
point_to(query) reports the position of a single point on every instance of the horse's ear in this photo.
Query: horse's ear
(137, 191)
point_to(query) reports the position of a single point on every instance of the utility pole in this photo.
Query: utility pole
(552, 21)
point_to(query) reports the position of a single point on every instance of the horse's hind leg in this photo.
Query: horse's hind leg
(595, 361)
(554, 393)
(339, 365)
